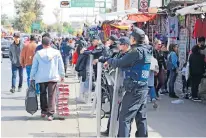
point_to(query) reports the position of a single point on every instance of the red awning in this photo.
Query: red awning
(144, 17)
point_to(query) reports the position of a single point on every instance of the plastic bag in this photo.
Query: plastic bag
(154, 65)
(31, 102)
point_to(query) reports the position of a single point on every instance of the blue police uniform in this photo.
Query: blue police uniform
(136, 65)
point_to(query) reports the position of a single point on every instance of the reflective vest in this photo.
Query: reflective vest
(139, 72)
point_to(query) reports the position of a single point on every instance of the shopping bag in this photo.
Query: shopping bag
(31, 102)
(154, 65)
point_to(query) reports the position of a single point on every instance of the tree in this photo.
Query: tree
(38, 8)
(4, 19)
(27, 12)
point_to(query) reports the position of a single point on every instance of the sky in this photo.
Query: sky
(50, 5)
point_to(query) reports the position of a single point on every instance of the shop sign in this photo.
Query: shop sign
(143, 5)
(82, 3)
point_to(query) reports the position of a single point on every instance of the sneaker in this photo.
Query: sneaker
(196, 99)
(154, 104)
(12, 90)
(105, 133)
(43, 115)
(164, 92)
(50, 118)
(19, 89)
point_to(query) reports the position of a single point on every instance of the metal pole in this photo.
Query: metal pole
(90, 77)
(112, 128)
(99, 94)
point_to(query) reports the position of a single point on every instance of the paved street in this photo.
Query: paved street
(169, 120)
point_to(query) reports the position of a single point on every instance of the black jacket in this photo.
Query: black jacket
(81, 66)
(97, 52)
(159, 55)
(111, 51)
(196, 62)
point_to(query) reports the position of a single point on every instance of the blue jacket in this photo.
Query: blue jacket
(172, 62)
(65, 50)
(47, 66)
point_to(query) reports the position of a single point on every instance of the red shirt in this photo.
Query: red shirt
(75, 58)
(91, 48)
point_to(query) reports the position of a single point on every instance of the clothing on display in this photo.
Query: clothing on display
(199, 28)
(172, 23)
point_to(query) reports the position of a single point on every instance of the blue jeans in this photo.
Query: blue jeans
(14, 69)
(152, 92)
(172, 79)
(66, 62)
(28, 71)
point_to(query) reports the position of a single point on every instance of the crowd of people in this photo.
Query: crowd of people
(149, 68)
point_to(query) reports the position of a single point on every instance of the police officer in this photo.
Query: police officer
(136, 65)
(112, 49)
(123, 46)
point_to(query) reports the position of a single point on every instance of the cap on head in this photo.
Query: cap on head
(113, 38)
(124, 41)
(138, 34)
(17, 35)
(46, 41)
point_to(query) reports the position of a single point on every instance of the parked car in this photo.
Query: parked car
(5, 44)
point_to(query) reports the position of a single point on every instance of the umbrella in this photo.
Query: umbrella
(193, 9)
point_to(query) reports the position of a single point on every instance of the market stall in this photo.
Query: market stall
(114, 27)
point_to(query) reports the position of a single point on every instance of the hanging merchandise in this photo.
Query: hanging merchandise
(199, 28)
(161, 37)
(172, 23)
(182, 50)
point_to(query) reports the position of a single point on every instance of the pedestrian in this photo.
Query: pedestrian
(166, 78)
(173, 65)
(39, 47)
(96, 49)
(196, 67)
(14, 55)
(136, 66)
(66, 53)
(159, 55)
(27, 55)
(47, 70)
(154, 70)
